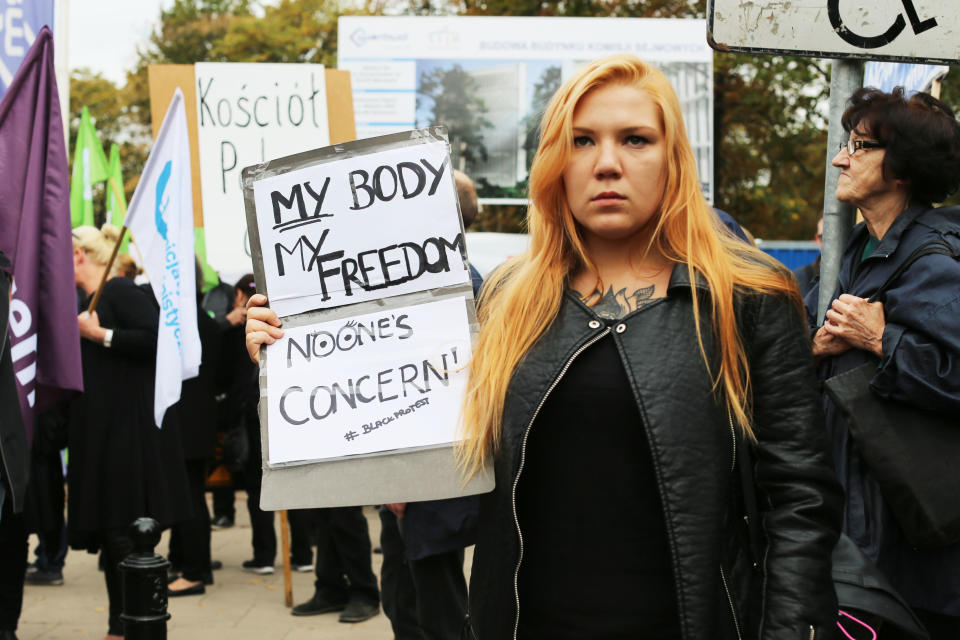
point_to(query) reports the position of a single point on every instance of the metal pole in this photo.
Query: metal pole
(846, 76)
(144, 585)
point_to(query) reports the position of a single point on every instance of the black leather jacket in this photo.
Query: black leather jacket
(720, 594)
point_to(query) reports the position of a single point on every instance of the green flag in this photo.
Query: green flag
(89, 167)
(116, 200)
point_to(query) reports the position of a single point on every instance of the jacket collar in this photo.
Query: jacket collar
(891, 239)
(680, 279)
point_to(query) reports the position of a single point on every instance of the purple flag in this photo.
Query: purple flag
(35, 235)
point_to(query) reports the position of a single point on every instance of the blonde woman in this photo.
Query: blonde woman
(619, 360)
(121, 466)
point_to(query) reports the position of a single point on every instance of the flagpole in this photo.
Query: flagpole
(106, 272)
(116, 194)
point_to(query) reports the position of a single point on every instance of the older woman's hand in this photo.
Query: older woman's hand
(857, 321)
(263, 325)
(826, 344)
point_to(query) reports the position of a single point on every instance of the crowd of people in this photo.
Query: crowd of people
(648, 386)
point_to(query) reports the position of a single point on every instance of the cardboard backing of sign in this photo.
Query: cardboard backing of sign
(400, 475)
(163, 80)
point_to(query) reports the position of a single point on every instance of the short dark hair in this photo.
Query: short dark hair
(246, 285)
(921, 136)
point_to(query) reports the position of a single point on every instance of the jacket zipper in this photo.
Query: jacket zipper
(733, 610)
(733, 435)
(523, 455)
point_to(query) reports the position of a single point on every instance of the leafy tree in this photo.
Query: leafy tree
(456, 106)
(770, 142)
(769, 122)
(950, 94)
(111, 117)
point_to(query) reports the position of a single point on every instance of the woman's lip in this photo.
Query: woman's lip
(609, 195)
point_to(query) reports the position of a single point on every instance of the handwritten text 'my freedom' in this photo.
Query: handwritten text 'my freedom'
(367, 270)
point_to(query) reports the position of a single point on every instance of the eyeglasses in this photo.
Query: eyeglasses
(852, 146)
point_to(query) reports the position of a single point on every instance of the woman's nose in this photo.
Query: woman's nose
(842, 159)
(608, 160)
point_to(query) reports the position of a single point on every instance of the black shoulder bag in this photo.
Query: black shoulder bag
(867, 600)
(913, 453)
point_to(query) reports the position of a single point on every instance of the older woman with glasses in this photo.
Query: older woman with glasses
(903, 154)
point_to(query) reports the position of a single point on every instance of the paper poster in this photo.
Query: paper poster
(487, 79)
(374, 382)
(249, 113)
(370, 226)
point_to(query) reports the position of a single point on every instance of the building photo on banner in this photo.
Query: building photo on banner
(488, 79)
(360, 249)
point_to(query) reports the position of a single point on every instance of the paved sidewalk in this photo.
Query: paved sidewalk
(239, 606)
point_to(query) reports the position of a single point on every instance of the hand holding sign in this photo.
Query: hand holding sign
(263, 325)
(367, 337)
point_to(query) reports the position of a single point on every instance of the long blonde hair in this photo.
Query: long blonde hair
(520, 300)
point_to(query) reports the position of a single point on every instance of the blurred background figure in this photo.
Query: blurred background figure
(808, 275)
(122, 467)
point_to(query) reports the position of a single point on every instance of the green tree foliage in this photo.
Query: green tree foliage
(110, 111)
(950, 94)
(770, 131)
(770, 142)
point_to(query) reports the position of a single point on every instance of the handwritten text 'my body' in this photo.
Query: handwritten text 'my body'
(368, 270)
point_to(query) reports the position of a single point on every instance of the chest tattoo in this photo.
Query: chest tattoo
(615, 305)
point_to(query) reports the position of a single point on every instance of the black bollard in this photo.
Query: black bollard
(144, 585)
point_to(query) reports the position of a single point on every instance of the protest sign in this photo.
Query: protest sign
(374, 382)
(359, 247)
(360, 228)
(223, 141)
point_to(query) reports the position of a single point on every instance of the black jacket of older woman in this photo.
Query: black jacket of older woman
(920, 367)
(718, 592)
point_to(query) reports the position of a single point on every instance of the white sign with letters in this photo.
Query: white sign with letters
(903, 30)
(365, 227)
(375, 382)
(249, 113)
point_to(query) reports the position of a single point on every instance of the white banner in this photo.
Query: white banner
(487, 79)
(249, 113)
(366, 227)
(375, 382)
(161, 218)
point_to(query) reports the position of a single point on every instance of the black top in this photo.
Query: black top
(596, 563)
(122, 466)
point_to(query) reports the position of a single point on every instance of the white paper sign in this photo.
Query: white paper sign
(363, 228)
(375, 382)
(249, 113)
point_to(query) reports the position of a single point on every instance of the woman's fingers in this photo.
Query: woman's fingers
(263, 325)
(264, 315)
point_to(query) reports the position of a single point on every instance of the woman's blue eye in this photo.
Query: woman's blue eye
(636, 141)
(581, 141)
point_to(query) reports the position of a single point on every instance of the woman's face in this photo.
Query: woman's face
(861, 182)
(615, 177)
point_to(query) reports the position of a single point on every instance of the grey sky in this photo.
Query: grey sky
(104, 34)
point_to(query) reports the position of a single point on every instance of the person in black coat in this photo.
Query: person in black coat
(13, 476)
(901, 156)
(423, 587)
(122, 467)
(620, 360)
(197, 412)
